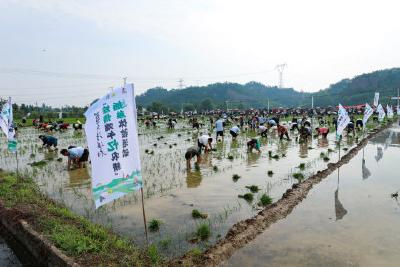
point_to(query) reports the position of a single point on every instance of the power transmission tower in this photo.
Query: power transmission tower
(180, 83)
(280, 68)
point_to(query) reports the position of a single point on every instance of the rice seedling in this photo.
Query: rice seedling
(302, 166)
(235, 177)
(230, 156)
(248, 197)
(196, 214)
(326, 158)
(203, 231)
(253, 188)
(270, 173)
(215, 168)
(265, 200)
(298, 175)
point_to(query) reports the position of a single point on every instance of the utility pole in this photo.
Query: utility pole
(398, 97)
(280, 68)
(180, 83)
(312, 102)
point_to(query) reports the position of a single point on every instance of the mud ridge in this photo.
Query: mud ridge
(245, 231)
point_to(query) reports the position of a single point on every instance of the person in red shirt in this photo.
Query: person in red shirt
(322, 131)
(283, 131)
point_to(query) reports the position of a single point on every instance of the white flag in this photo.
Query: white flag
(7, 125)
(381, 112)
(367, 113)
(111, 132)
(389, 111)
(343, 120)
(376, 99)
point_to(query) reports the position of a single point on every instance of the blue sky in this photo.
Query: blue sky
(71, 52)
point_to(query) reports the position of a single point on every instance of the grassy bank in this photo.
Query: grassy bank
(87, 243)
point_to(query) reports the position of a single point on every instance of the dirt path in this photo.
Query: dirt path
(245, 231)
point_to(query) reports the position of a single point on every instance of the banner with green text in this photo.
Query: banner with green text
(111, 132)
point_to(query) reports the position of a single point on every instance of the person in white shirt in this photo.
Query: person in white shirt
(235, 130)
(76, 155)
(262, 130)
(204, 141)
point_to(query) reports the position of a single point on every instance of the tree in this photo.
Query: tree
(206, 104)
(188, 107)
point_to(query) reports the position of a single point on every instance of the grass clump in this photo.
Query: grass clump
(248, 197)
(196, 214)
(298, 175)
(203, 231)
(302, 166)
(230, 156)
(154, 225)
(235, 177)
(253, 188)
(270, 173)
(265, 200)
(330, 150)
(345, 148)
(326, 158)
(153, 254)
(215, 168)
(322, 155)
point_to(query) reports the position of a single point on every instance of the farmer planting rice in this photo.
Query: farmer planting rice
(48, 141)
(282, 131)
(234, 131)
(204, 141)
(192, 152)
(263, 131)
(323, 131)
(253, 144)
(76, 156)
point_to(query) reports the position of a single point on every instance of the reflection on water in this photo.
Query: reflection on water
(303, 151)
(379, 154)
(340, 211)
(323, 142)
(193, 179)
(365, 172)
(252, 158)
(78, 177)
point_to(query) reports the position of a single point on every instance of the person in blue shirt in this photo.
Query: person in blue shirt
(48, 141)
(219, 125)
(76, 155)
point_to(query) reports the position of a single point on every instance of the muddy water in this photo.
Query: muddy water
(171, 191)
(7, 257)
(349, 219)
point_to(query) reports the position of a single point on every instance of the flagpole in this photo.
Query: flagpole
(144, 217)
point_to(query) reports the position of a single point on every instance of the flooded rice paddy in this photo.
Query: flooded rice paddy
(350, 219)
(172, 191)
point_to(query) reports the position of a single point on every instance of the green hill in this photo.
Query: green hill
(357, 90)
